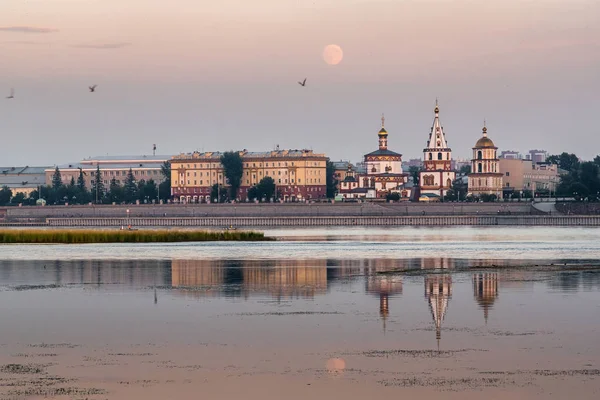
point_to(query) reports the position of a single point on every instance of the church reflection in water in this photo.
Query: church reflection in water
(285, 280)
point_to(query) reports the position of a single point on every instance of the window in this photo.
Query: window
(447, 156)
(439, 156)
(479, 167)
(479, 155)
(430, 156)
(507, 184)
(195, 183)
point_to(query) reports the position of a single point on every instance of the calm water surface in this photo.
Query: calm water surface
(456, 313)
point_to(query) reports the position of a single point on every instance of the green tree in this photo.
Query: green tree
(465, 170)
(331, 182)
(18, 198)
(150, 191)
(253, 193)
(164, 188)
(131, 189)
(266, 189)
(589, 177)
(393, 196)
(566, 161)
(5, 195)
(218, 194)
(56, 179)
(488, 198)
(233, 168)
(414, 172)
(116, 193)
(98, 186)
(83, 196)
(597, 160)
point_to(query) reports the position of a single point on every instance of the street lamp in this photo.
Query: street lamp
(128, 225)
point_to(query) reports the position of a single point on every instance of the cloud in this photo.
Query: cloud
(27, 29)
(103, 45)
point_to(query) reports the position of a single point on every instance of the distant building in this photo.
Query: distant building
(298, 174)
(341, 169)
(143, 168)
(383, 173)
(437, 175)
(510, 155)
(519, 175)
(485, 176)
(413, 162)
(22, 179)
(537, 156)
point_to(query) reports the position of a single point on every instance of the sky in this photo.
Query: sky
(222, 75)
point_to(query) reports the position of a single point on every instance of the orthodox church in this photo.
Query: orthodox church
(485, 176)
(383, 174)
(437, 175)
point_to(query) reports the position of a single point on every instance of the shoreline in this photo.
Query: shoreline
(106, 236)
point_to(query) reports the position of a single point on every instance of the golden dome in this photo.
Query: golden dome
(484, 142)
(382, 132)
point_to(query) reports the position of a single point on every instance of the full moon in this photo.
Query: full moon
(333, 54)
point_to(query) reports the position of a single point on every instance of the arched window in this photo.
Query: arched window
(479, 155)
(447, 156)
(439, 156)
(479, 168)
(448, 182)
(430, 156)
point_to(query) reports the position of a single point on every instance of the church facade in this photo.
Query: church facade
(437, 175)
(383, 174)
(485, 176)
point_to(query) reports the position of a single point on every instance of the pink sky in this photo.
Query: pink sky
(447, 48)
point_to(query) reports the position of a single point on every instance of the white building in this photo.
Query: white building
(383, 173)
(437, 174)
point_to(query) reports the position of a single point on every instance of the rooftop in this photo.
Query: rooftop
(138, 157)
(22, 170)
(250, 154)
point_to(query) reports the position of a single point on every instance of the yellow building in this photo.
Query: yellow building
(298, 174)
(485, 176)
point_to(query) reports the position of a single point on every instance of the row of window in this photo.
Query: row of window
(439, 156)
(135, 172)
(246, 165)
(480, 168)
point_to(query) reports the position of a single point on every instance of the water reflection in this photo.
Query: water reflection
(485, 290)
(438, 292)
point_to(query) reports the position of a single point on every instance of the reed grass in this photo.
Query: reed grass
(66, 236)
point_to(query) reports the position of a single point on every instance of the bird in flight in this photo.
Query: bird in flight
(12, 94)
(303, 83)
(93, 88)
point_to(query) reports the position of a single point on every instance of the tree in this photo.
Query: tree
(56, 179)
(83, 196)
(465, 170)
(597, 160)
(589, 177)
(218, 194)
(566, 161)
(18, 198)
(393, 196)
(150, 191)
(131, 189)
(5, 195)
(414, 172)
(164, 188)
(253, 193)
(116, 194)
(488, 198)
(331, 182)
(233, 168)
(98, 186)
(266, 188)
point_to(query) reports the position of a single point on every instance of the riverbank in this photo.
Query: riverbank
(67, 236)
